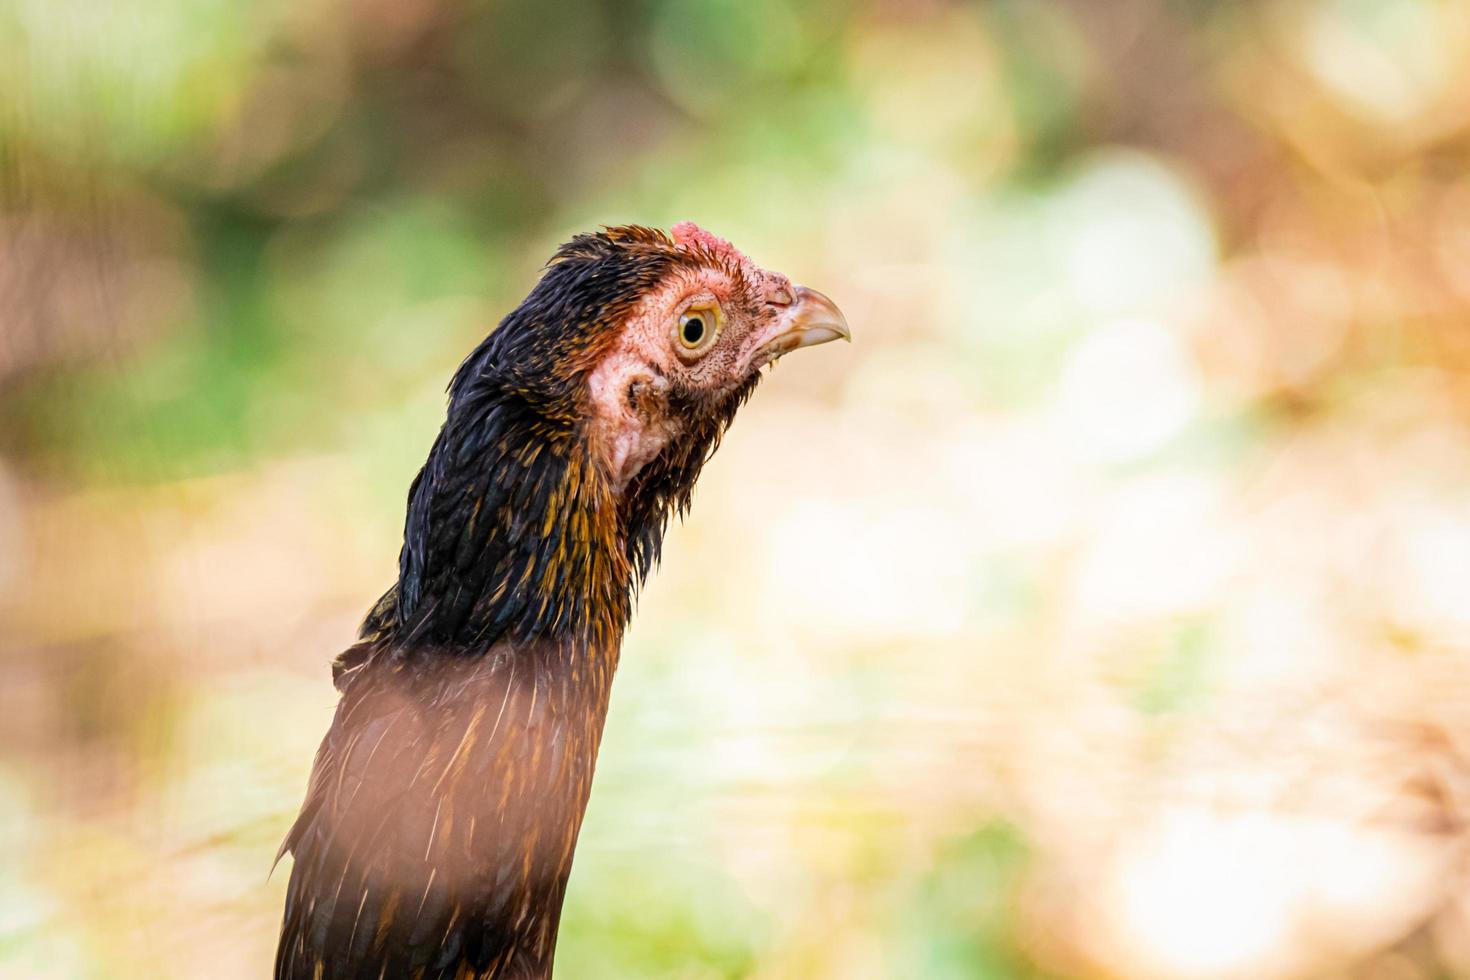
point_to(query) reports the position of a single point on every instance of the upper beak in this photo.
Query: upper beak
(811, 319)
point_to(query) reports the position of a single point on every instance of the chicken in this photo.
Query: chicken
(444, 806)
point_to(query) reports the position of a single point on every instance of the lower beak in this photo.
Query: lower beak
(811, 319)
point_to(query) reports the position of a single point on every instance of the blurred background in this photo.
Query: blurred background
(1103, 611)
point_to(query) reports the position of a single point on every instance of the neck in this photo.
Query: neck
(513, 534)
(514, 588)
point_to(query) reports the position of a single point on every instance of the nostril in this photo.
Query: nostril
(781, 296)
(635, 391)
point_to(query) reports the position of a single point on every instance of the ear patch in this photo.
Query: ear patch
(630, 422)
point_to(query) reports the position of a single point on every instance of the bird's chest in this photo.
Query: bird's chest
(514, 770)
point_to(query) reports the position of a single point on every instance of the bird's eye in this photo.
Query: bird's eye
(697, 327)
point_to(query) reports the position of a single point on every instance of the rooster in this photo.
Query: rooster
(443, 809)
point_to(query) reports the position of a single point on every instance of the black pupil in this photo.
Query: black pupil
(693, 330)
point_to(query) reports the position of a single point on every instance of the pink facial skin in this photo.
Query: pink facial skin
(630, 426)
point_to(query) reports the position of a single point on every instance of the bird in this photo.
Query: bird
(442, 812)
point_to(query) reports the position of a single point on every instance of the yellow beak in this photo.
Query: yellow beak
(812, 319)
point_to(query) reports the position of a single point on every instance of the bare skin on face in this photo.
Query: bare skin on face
(631, 422)
(753, 316)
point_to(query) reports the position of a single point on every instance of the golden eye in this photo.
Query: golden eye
(698, 326)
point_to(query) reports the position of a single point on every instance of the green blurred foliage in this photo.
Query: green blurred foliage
(962, 918)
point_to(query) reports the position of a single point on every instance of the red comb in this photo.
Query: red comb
(687, 233)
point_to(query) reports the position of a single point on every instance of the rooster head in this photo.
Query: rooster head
(580, 424)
